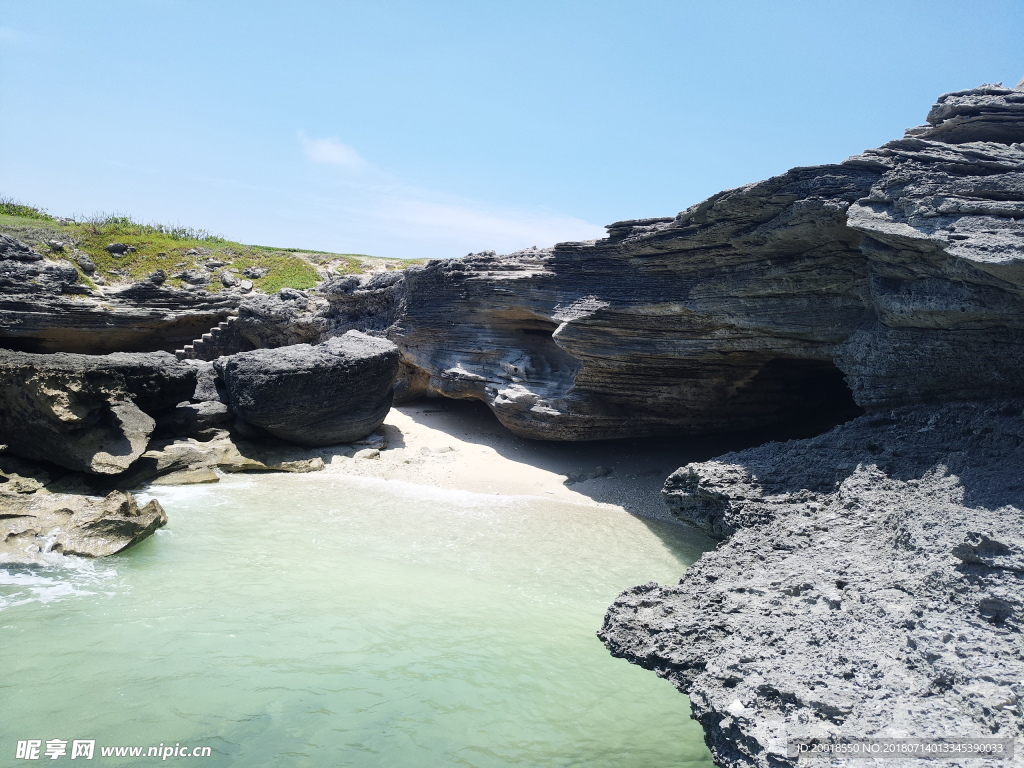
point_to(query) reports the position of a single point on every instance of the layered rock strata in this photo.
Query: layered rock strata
(871, 587)
(330, 393)
(88, 413)
(895, 277)
(44, 307)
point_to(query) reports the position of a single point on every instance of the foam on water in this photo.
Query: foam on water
(54, 578)
(323, 620)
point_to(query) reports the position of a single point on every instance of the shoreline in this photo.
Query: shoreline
(460, 445)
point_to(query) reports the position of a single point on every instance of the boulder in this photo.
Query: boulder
(87, 264)
(32, 525)
(334, 392)
(193, 277)
(87, 413)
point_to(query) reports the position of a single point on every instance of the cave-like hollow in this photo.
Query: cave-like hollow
(809, 396)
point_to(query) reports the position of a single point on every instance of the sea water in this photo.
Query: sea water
(323, 620)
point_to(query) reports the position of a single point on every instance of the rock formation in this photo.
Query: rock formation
(184, 462)
(45, 308)
(282, 319)
(314, 395)
(892, 278)
(33, 525)
(87, 413)
(860, 569)
(870, 582)
(871, 587)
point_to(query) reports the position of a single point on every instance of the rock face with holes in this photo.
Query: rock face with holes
(279, 320)
(88, 413)
(33, 525)
(330, 393)
(44, 308)
(892, 278)
(872, 586)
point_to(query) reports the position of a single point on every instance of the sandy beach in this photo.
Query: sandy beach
(461, 445)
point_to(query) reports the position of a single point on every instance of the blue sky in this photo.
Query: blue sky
(438, 127)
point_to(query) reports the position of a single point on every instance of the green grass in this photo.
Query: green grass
(11, 207)
(174, 249)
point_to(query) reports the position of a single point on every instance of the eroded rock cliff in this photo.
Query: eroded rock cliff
(871, 587)
(45, 308)
(892, 278)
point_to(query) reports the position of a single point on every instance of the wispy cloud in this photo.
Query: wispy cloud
(13, 36)
(331, 151)
(489, 228)
(403, 218)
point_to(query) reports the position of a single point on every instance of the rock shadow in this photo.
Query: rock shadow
(626, 472)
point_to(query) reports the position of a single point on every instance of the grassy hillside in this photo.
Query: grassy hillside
(175, 250)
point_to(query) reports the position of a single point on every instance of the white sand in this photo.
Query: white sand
(461, 445)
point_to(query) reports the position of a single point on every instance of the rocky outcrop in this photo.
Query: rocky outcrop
(977, 443)
(198, 420)
(371, 302)
(990, 113)
(871, 587)
(172, 462)
(44, 307)
(870, 581)
(88, 413)
(33, 525)
(331, 393)
(895, 277)
(279, 320)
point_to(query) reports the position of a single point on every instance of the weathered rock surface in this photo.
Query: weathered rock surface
(32, 525)
(873, 586)
(281, 319)
(83, 412)
(334, 392)
(209, 389)
(201, 420)
(174, 462)
(44, 308)
(18, 475)
(893, 278)
(978, 443)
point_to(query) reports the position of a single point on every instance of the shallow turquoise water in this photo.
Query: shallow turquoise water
(318, 620)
